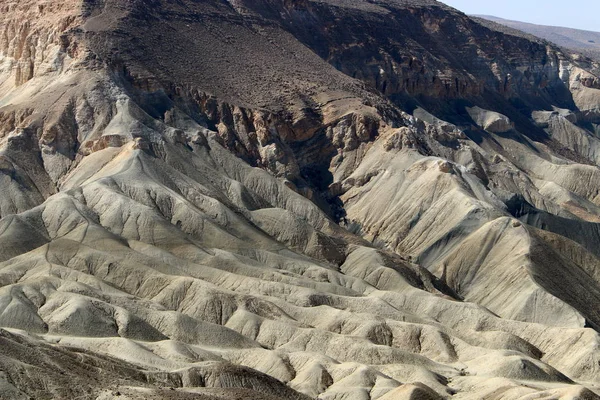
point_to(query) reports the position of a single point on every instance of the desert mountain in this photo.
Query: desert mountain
(586, 42)
(294, 199)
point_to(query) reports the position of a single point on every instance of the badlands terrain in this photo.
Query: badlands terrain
(294, 199)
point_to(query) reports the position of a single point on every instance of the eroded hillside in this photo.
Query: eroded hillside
(276, 199)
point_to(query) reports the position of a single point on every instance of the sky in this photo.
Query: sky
(582, 14)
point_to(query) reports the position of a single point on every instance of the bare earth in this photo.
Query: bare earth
(268, 199)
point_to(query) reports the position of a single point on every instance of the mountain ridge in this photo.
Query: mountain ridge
(585, 41)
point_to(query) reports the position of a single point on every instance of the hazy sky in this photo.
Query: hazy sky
(582, 14)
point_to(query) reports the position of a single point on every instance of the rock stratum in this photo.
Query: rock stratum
(294, 199)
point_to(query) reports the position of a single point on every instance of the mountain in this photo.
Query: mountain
(294, 199)
(586, 42)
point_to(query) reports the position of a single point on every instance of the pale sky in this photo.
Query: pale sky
(582, 14)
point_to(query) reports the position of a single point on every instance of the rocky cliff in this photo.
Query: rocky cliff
(269, 199)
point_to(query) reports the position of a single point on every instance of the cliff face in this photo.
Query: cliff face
(34, 38)
(420, 48)
(294, 199)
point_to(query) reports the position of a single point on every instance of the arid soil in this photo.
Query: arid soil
(277, 199)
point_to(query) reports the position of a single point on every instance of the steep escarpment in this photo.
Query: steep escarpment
(293, 199)
(438, 53)
(35, 37)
